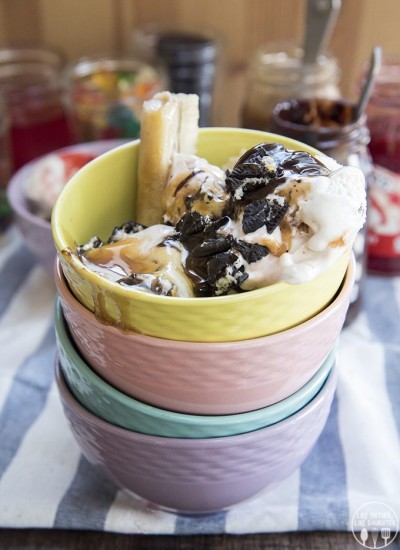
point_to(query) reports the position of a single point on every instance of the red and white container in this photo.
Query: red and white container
(384, 209)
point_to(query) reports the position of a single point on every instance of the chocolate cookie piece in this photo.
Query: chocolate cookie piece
(274, 163)
(251, 252)
(149, 282)
(124, 230)
(215, 262)
(95, 242)
(268, 213)
(252, 181)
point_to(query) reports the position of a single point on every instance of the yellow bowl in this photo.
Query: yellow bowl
(102, 195)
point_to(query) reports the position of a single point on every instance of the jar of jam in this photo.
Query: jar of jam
(383, 113)
(277, 72)
(30, 82)
(331, 126)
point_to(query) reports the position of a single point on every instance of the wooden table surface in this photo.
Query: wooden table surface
(74, 540)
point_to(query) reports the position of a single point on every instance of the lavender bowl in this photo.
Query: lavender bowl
(198, 475)
(36, 230)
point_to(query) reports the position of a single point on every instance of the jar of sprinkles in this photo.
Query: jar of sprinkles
(105, 95)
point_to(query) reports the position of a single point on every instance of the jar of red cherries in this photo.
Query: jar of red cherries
(30, 83)
(383, 114)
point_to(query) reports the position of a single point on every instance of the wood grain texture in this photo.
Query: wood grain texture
(242, 25)
(22, 21)
(75, 540)
(85, 27)
(79, 27)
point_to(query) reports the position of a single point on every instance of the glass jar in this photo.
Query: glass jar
(5, 166)
(191, 60)
(276, 73)
(31, 85)
(330, 126)
(383, 113)
(105, 96)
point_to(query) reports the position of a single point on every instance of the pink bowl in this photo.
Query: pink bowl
(198, 475)
(206, 378)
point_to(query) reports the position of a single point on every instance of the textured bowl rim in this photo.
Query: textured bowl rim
(181, 345)
(17, 199)
(178, 302)
(172, 442)
(15, 192)
(284, 408)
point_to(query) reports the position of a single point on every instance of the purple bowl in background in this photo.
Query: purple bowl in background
(198, 475)
(35, 230)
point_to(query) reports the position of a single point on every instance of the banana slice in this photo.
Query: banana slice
(169, 125)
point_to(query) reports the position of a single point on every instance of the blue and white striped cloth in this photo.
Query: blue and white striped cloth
(46, 483)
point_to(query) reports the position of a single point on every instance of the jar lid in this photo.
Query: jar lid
(183, 48)
(202, 74)
(281, 64)
(87, 66)
(29, 69)
(37, 54)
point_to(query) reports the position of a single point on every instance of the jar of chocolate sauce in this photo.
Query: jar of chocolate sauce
(383, 113)
(277, 72)
(331, 127)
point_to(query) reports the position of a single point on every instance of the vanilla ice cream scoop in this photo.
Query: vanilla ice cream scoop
(48, 177)
(193, 184)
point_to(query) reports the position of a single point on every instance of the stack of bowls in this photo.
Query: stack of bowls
(194, 404)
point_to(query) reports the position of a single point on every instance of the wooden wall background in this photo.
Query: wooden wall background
(84, 27)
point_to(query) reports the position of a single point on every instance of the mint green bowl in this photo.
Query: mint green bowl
(113, 406)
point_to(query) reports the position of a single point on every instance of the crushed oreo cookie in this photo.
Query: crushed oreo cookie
(94, 242)
(124, 230)
(215, 261)
(147, 282)
(268, 213)
(295, 162)
(118, 233)
(254, 179)
(251, 252)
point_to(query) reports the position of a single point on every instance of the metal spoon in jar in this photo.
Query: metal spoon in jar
(366, 90)
(320, 19)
